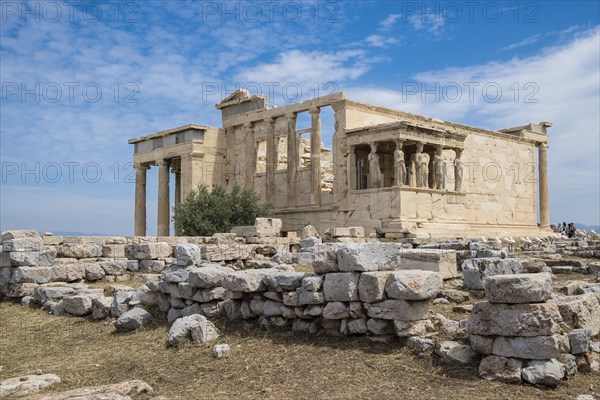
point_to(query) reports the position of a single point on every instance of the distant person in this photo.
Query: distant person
(564, 228)
(571, 231)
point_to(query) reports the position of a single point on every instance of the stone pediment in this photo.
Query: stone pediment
(238, 97)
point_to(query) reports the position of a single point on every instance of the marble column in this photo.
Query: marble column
(543, 175)
(176, 169)
(292, 160)
(163, 198)
(315, 156)
(249, 156)
(271, 159)
(351, 168)
(140, 199)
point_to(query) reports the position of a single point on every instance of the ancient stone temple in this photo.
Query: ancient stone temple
(398, 174)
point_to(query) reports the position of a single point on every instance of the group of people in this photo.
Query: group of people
(567, 230)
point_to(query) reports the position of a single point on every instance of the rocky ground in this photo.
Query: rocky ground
(263, 364)
(66, 336)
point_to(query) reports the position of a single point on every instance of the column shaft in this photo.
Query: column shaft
(177, 188)
(292, 155)
(140, 200)
(315, 156)
(351, 168)
(543, 175)
(249, 156)
(163, 198)
(271, 159)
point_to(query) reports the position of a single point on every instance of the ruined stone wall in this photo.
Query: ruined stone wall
(28, 259)
(353, 302)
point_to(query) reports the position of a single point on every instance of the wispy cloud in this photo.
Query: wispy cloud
(525, 42)
(433, 24)
(390, 21)
(305, 69)
(381, 41)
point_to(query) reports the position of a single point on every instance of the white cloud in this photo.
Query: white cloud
(380, 41)
(566, 79)
(527, 41)
(307, 70)
(390, 21)
(431, 23)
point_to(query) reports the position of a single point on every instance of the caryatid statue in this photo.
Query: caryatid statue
(421, 166)
(438, 167)
(399, 165)
(458, 170)
(374, 169)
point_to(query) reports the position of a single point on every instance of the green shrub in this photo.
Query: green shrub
(205, 211)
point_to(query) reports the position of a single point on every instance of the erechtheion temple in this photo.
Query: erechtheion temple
(398, 174)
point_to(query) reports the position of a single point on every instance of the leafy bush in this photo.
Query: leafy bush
(205, 211)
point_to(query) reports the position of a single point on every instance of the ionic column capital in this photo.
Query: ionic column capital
(141, 166)
(314, 110)
(162, 163)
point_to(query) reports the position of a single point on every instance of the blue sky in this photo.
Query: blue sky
(81, 78)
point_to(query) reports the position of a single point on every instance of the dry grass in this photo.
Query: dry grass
(265, 365)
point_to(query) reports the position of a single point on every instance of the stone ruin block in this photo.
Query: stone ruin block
(80, 250)
(246, 281)
(263, 227)
(361, 257)
(44, 257)
(582, 311)
(208, 276)
(325, 258)
(23, 244)
(5, 260)
(398, 310)
(37, 275)
(68, 272)
(19, 234)
(518, 288)
(414, 285)
(114, 250)
(371, 286)
(475, 270)
(228, 251)
(532, 347)
(341, 286)
(148, 251)
(377, 256)
(80, 304)
(51, 240)
(494, 319)
(501, 369)
(188, 254)
(151, 265)
(442, 261)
